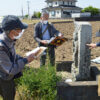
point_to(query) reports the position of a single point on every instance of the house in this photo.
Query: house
(1, 18)
(61, 8)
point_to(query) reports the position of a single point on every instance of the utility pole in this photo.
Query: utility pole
(28, 5)
(22, 12)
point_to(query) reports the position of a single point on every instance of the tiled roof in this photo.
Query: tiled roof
(63, 7)
(60, 0)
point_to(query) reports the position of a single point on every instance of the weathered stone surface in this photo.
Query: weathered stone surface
(86, 90)
(81, 53)
(64, 66)
(94, 72)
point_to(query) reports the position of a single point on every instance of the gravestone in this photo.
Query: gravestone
(81, 53)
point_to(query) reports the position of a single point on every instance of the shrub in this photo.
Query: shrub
(38, 84)
(26, 16)
(36, 15)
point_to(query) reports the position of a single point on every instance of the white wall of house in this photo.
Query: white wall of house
(70, 3)
(55, 14)
(74, 3)
(57, 3)
(60, 14)
(86, 14)
(49, 4)
(60, 2)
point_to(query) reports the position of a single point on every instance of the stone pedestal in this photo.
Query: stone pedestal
(86, 90)
(81, 53)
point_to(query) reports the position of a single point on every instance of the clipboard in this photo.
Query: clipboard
(58, 41)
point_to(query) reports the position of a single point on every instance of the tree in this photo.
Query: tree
(36, 15)
(26, 16)
(94, 11)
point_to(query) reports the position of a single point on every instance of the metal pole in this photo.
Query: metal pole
(28, 2)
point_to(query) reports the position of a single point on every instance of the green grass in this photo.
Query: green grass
(38, 83)
(1, 98)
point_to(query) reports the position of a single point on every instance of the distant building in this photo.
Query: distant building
(1, 18)
(99, 12)
(61, 8)
(77, 15)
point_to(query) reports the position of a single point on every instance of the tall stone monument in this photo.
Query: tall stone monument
(81, 53)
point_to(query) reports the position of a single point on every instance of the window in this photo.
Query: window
(53, 13)
(55, 3)
(50, 4)
(65, 12)
(68, 3)
(63, 2)
(71, 3)
(57, 12)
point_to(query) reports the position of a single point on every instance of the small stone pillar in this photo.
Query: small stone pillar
(81, 53)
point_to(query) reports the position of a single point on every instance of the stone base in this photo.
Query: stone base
(80, 90)
(64, 66)
(87, 90)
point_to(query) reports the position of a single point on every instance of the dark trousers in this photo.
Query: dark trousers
(51, 56)
(7, 89)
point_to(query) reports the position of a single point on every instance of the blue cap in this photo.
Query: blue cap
(11, 22)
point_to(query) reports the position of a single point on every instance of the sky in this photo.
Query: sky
(14, 7)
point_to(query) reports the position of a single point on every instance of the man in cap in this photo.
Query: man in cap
(45, 31)
(11, 64)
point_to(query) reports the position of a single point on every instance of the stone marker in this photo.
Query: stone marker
(81, 53)
(99, 85)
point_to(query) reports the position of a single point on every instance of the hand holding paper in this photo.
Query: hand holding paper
(37, 51)
(44, 41)
(31, 55)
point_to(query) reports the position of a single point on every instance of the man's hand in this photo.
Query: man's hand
(44, 41)
(60, 35)
(31, 57)
(92, 45)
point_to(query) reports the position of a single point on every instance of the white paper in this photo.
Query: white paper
(96, 60)
(68, 80)
(51, 40)
(36, 50)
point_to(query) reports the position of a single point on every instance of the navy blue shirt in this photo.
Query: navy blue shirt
(1, 31)
(98, 44)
